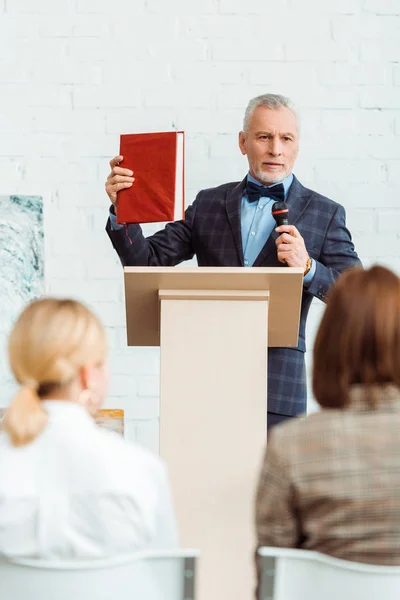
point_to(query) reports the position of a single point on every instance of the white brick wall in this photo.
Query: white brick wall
(76, 73)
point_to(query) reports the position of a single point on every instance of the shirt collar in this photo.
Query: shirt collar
(387, 397)
(65, 410)
(287, 182)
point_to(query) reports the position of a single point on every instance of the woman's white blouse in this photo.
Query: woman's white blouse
(81, 491)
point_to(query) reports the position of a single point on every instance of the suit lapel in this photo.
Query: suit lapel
(297, 200)
(233, 209)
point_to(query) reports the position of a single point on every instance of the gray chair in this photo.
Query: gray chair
(163, 575)
(289, 574)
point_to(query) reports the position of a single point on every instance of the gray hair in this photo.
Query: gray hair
(272, 101)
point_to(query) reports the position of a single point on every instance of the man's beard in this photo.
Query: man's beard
(269, 178)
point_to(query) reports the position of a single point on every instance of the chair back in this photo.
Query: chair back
(166, 575)
(288, 574)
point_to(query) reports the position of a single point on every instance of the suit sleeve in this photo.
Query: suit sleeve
(276, 522)
(337, 255)
(166, 248)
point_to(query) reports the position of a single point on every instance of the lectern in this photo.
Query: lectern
(214, 326)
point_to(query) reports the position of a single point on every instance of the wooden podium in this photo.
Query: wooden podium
(214, 326)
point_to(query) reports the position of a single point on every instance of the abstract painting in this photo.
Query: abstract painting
(21, 270)
(112, 419)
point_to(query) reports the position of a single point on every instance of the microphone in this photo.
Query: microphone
(280, 212)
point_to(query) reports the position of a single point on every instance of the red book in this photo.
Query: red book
(157, 162)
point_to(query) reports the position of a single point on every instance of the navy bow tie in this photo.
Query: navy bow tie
(254, 192)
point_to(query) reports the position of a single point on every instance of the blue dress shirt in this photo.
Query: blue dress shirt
(258, 223)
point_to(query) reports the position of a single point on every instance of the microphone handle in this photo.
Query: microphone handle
(284, 221)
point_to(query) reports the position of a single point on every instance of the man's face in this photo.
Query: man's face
(270, 143)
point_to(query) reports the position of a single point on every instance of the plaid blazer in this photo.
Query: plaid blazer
(212, 231)
(331, 482)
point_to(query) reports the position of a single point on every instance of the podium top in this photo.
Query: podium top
(142, 285)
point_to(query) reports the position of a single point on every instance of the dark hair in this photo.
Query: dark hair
(358, 341)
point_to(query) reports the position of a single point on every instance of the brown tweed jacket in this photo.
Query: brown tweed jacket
(331, 482)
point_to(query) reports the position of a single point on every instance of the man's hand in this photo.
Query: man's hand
(291, 248)
(118, 179)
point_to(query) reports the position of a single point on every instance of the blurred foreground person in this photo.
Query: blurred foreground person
(331, 482)
(68, 488)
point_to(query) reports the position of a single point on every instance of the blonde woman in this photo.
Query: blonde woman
(68, 488)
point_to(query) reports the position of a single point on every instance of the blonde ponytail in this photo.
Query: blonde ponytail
(50, 341)
(26, 417)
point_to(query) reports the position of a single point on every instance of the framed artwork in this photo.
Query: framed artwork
(112, 419)
(21, 270)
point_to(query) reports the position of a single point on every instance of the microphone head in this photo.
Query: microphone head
(280, 212)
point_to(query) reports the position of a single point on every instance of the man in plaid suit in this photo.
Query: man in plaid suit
(231, 225)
